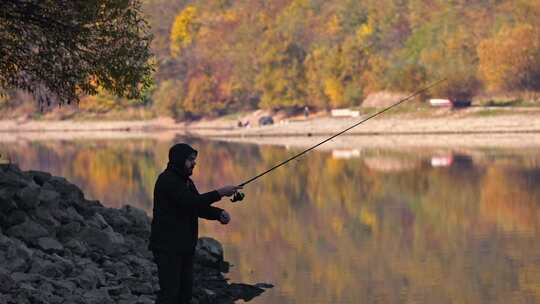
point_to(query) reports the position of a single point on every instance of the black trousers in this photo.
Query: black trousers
(175, 274)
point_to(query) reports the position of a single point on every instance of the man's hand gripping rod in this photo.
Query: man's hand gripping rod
(238, 196)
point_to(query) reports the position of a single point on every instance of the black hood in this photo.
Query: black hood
(178, 155)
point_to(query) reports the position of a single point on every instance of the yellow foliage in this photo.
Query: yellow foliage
(337, 225)
(183, 30)
(333, 26)
(364, 32)
(368, 218)
(231, 16)
(333, 88)
(509, 58)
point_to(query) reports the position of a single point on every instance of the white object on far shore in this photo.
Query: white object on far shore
(440, 102)
(344, 113)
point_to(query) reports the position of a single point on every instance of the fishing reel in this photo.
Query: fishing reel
(238, 196)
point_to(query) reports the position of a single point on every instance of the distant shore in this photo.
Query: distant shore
(438, 122)
(512, 128)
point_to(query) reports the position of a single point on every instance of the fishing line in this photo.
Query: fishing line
(238, 196)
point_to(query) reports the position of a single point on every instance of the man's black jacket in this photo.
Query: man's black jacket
(177, 206)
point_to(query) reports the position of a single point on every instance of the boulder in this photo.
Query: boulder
(15, 218)
(209, 252)
(46, 268)
(109, 242)
(28, 230)
(48, 244)
(68, 230)
(27, 197)
(97, 296)
(44, 216)
(7, 204)
(7, 283)
(49, 198)
(12, 177)
(97, 221)
(39, 177)
(67, 190)
(76, 247)
(244, 291)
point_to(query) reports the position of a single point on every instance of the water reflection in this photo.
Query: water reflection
(376, 226)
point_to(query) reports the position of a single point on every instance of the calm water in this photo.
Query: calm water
(356, 226)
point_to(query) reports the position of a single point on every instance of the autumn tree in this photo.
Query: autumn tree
(61, 49)
(281, 80)
(451, 54)
(511, 59)
(168, 99)
(184, 28)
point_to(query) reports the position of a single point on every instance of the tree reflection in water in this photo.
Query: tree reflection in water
(379, 226)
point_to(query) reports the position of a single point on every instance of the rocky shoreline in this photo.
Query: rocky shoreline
(58, 247)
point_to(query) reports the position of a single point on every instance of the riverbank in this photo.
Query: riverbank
(58, 247)
(425, 121)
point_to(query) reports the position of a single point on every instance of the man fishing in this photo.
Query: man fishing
(177, 207)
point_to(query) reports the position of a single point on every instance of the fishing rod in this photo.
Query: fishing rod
(238, 196)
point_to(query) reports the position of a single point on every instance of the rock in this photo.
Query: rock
(68, 230)
(67, 216)
(88, 279)
(7, 204)
(97, 296)
(119, 222)
(49, 198)
(6, 282)
(46, 268)
(39, 177)
(97, 221)
(209, 252)
(28, 230)
(12, 177)
(27, 197)
(20, 277)
(17, 265)
(110, 242)
(65, 265)
(67, 190)
(140, 222)
(138, 286)
(44, 216)
(76, 246)
(73, 215)
(18, 249)
(119, 269)
(63, 287)
(127, 299)
(15, 218)
(48, 244)
(137, 216)
(144, 300)
(7, 299)
(117, 290)
(244, 291)
(46, 287)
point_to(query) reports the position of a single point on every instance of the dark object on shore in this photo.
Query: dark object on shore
(452, 103)
(461, 103)
(266, 120)
(58, 247)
